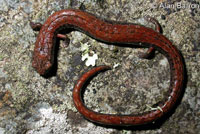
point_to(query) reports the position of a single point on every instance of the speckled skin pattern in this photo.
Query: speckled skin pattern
(115, 33)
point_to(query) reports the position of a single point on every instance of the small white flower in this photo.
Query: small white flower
(90, 60)
(116, 65)
(85, 56)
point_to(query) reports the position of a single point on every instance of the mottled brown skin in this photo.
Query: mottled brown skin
(111, 33)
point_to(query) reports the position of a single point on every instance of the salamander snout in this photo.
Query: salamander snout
(42, 66)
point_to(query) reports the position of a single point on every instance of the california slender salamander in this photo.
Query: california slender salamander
(107, 32)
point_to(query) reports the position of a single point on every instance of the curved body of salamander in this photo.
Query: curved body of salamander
(109, 33)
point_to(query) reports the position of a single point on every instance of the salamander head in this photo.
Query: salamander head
(41, 64)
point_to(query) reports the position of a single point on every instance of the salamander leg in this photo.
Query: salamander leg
(151, 50)
(35, 26)
(155, 22)
(65, 38)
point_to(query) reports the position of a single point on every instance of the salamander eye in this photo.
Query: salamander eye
(47, 65)
(34, 64)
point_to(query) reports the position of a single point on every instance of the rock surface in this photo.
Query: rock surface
(32, 104)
